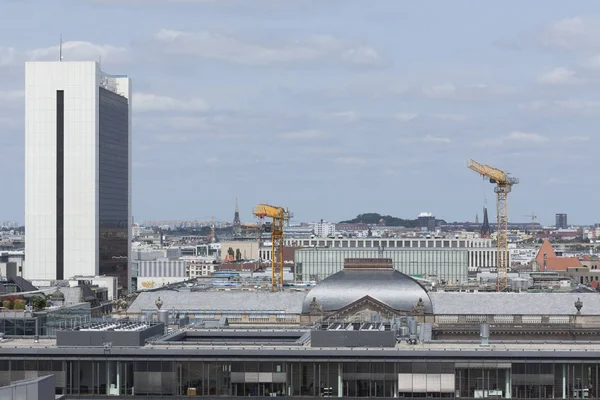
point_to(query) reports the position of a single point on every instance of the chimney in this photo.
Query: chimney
(484, 334)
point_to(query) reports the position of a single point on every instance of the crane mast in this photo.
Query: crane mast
(279, 215)
(504, 184)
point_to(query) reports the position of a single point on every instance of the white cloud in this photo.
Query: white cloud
(451, 117)
(557, 181)
(8, 56)
(343, 116)
(592, 63)
(559, 76)
(361, 55)
(182, 123)
(571, 34)
(71, 51)
(310, 134)
(475, 92)
(514, 138)
(211, 160)
(575, 139)
(435, 139)
(444, 90)
(405, 117)
(350, 161)
(562, 107)
(173, 138)
(236, 50)
(425, 139)
(150, 102)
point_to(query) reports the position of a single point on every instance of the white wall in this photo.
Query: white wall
(80, 82)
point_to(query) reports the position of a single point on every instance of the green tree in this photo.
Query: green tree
(238, 254)
(230, 251)
(39, 303)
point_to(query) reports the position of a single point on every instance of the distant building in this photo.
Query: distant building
(547, 260)
(323, 229)
(450, 265)
(561, 221)
(427, 222)
(482, 253)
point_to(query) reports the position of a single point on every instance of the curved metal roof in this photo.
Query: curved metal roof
(393, 288)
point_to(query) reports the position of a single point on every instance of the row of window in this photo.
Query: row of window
(397, 243)
(353, 378)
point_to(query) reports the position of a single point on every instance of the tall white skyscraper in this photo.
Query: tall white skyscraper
(77, 171)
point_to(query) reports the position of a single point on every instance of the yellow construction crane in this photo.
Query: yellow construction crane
(503, 187)
(258, 237)
(279, 216)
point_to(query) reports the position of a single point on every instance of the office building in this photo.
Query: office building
(323, 228)
(367, 331)
(481, 253)
(427, 222)
(561, 221)
(448, 265)
(77, 171)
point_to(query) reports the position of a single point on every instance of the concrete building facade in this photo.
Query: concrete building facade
(449, 265)
(323, 228)
(77, 171)
(481, 253)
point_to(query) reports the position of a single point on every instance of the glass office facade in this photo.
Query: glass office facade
(500, 378)
(113, 184)
(44, 323)
(450, 265)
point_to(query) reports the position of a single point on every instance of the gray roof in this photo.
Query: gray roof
(514, 303)
(232, 300)
(23, 284)
(393, 288)
(72, 294)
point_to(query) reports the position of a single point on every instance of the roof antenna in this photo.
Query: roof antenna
(60, 49)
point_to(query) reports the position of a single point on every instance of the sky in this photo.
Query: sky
(330, 107)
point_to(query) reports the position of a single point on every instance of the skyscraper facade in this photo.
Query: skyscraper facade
(561, 221)
(77, 171)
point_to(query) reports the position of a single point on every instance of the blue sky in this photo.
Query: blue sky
(331, 108)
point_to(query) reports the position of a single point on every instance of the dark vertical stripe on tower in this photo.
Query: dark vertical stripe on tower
(60, 181)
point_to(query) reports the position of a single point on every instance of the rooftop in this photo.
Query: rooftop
(455, 303)
(290, 348)
(395, 289)
(236, 299)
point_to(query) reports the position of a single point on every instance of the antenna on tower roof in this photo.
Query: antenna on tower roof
(60, 55)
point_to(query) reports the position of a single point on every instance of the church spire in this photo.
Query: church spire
(486, 231)
(237, 224)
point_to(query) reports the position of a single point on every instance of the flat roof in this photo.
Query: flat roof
(506, 350)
